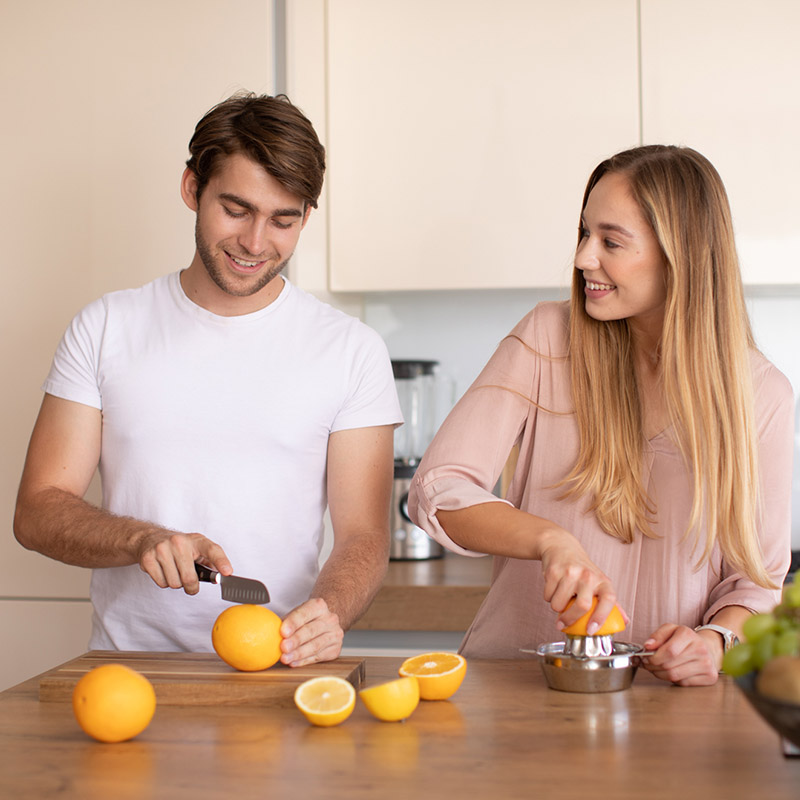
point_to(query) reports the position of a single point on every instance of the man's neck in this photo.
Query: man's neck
(198, 286)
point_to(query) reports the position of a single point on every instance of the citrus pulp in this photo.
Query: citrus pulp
(439, 674)
(325, 701)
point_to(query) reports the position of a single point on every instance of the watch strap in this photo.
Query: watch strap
(729, 638)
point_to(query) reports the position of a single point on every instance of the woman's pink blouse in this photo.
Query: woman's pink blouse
(657, 580)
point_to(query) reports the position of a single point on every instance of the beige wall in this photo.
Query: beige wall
(100, 98)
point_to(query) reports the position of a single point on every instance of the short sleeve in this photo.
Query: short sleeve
(371, 396)
(74, 372)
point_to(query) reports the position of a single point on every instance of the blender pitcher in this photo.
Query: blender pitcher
(425, 396)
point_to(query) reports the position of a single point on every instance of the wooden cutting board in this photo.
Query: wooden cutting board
(199, 679)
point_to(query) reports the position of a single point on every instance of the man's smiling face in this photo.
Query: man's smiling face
(247, 228)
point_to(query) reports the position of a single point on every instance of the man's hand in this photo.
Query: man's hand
(169, 559)
(312, 633)
(359, 488)
(684, 656)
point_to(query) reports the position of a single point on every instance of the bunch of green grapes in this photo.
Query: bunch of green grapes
(768, 635)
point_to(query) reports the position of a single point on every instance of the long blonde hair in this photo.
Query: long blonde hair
(705, 360)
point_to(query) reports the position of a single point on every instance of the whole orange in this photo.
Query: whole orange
(247, 637)
(113, 703)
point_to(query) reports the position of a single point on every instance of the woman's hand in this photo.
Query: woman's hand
(568, 572)
(684, 656)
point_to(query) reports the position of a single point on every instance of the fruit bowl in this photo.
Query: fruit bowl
(783, 717)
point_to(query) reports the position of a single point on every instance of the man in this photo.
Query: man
(225, 408)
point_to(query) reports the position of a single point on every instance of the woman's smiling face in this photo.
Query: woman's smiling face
(620, 258)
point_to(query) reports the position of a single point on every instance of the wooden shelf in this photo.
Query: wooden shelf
(441, 594)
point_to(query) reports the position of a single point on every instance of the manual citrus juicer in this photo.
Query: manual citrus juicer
(584, 663)
(580, 645)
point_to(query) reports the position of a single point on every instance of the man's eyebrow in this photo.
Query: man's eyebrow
(240, 201)
(278, 212)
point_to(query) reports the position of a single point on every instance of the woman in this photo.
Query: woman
(654, 442)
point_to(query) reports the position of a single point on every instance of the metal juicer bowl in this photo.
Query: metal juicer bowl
(602, 673)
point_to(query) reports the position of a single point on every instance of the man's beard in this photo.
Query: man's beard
(217, 274)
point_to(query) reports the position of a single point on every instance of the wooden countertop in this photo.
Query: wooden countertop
(440, 594)
(504, 734)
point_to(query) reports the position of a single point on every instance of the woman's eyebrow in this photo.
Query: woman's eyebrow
(611, 226)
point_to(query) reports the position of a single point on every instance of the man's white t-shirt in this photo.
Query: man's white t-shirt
(217, 425)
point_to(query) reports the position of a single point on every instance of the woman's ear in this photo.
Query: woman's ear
(189, 189)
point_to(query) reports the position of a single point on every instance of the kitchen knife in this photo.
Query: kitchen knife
(234, 589)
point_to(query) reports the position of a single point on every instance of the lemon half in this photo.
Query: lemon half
(325, 701)
(392, 701)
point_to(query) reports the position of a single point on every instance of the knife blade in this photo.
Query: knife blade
(234, 589)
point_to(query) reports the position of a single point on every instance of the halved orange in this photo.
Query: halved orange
(392, 701)
(439, 674)
(614, 622)
(326, 700)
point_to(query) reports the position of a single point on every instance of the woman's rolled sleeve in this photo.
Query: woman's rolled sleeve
(445, 493)
(461, 467)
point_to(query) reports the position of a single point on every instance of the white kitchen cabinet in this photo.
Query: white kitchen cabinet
(461, 134)
(104, 98)
(722, 76)
(40, 634)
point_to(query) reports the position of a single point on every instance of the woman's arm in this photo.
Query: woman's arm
(452, 498)
(500, 529)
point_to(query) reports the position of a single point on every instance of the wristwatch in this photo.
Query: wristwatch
(729, 638)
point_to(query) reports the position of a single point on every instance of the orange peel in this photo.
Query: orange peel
(614, 623)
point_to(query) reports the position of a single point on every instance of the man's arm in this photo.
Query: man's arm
(52, 518)
(360, 465)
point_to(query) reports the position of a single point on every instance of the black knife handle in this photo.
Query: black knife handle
(205, 573)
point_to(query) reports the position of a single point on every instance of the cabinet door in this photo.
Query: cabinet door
(722, 76)
(100, 100)
(461, 134)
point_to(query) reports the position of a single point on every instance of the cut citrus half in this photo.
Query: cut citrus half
(614, 622)
(439, 674)
(392, 701)
(325, 701)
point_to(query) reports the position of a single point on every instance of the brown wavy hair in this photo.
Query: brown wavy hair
(271, 131)
(706, 345)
